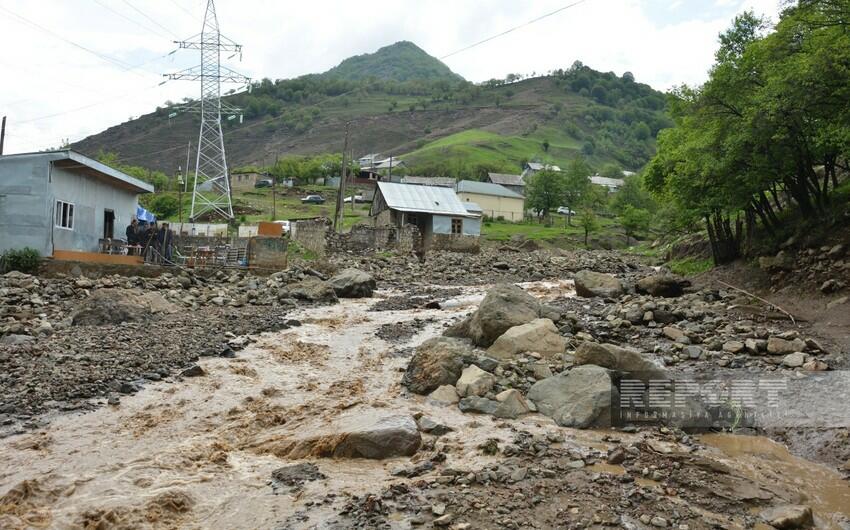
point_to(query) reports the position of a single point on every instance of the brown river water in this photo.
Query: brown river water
(199, 453)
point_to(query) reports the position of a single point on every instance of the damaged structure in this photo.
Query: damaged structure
(439, 215)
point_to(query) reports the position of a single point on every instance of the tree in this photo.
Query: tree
(587, 221)
(634, 221)
(544, 191)
(163, 206)
(631, 193)
(576, 184)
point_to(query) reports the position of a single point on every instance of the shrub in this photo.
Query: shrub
(24, 260)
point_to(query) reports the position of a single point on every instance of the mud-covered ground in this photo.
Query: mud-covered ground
(212, 448)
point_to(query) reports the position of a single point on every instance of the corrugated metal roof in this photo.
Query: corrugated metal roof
(446, 182)
(473, 207)
(506, 180)
(537, 166)
(486, 188)
(606, 181)
(82, 160)
(426, 199)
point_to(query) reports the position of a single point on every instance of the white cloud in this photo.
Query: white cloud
(44, 76)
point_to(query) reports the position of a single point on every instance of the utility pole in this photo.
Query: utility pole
(341, 192)
(180, 185)
(274, 191)
(2, 135)
(211, 190)
(186, 170)
(390, 177)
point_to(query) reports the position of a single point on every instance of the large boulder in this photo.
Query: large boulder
(664, 285)
(437, 362)
(311, 289)
(512, 404)
(615, 358)
(474, 382)
(359, 437)
(579, 398)
(504, 307)
(589, 284)
(352, 283)
(780, 346)
(109, 306)
(788, 516)
(539, 335)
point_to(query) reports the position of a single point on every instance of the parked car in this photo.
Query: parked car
(313, 199)
(357, 198)
(563, 210)
(264, 183)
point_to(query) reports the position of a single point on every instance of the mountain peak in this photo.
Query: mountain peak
(401, 61)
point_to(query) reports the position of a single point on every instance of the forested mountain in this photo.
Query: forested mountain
(402, 61)
(441, 123)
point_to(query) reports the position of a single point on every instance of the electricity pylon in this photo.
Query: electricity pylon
(211, 192)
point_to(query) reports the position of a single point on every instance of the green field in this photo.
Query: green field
(500, 231)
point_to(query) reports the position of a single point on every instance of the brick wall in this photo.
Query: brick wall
(311, 234)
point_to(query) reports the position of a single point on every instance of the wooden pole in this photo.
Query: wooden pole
(341, 191)
(2, 135)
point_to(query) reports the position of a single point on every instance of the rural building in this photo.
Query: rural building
(62, 200)
(244, 181)
(368, 160)
(610, 183)
(512, 182)
(495, 200)
(443, 221)
(445, 182)
(531, 168)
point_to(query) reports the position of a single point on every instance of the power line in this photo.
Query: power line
(125, 17)
(181, 8)
(97, 54)
(139, 11)
(502, 34)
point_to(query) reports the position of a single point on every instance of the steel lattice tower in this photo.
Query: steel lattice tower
(211, 191)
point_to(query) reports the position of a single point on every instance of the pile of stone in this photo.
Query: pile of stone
(827, 267)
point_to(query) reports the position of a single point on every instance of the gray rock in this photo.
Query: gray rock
(478, 404)
(615, 358)
(504, 307)
(474, 382)
(353, 283)
(14, 339)
(733, 346)
(361, 437)
(539, 335)
(590, 284)
(781, 262)
(788, 516)
(312, 289)
(794, 360)
(109, 306)
(579, 398)
(511, 404)
(779, 346)
(445, 395)
(664, 285)
(692, 352)
(437, 362)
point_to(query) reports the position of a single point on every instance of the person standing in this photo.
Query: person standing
(132, 234)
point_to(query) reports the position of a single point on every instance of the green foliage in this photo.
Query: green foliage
(24, 260)
(544, 191)
(632, 193)
(746, 145)
(160, 180)
(163, 206)
(307, 168)
(575, 185)
(402, 61)
(634, 221)
(690, 266)
(588, 223)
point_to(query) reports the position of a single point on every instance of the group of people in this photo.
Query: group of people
(155, 242)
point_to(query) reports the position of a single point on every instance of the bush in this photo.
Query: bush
(163, 206)
(24, 260)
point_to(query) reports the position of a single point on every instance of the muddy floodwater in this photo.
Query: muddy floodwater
(198, 453)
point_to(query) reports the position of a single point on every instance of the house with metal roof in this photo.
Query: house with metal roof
(531, 168)
(439, 215)
(611, 183)
(63, 201)
(445, 182)
(512, 182)
(496, 201)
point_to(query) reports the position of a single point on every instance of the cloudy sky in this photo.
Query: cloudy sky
(71, 68)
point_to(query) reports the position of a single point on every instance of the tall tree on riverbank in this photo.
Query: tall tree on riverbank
(747, 144)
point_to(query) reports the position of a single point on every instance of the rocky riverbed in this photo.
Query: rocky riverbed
(281, 402)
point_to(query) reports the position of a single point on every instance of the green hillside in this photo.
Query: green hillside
(440, 124)
(402, 61)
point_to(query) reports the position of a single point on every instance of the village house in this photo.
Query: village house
(611, 184)
(445, 182)
(495, 201)
(530, 168)
(512, 182)
(63, 201)
(443, 221)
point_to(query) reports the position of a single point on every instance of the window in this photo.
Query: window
(457, 226)
(65, 215)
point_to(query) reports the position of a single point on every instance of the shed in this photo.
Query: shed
(495, 200)
(63, 200)
(443, 221)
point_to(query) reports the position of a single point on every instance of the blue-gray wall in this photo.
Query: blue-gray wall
(29, 189)
(441, 224)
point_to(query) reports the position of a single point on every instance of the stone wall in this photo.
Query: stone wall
(267, 253)
(454, 243)
(311, 234)
(363, 239)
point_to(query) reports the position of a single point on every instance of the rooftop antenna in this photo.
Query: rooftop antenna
(211, 190)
